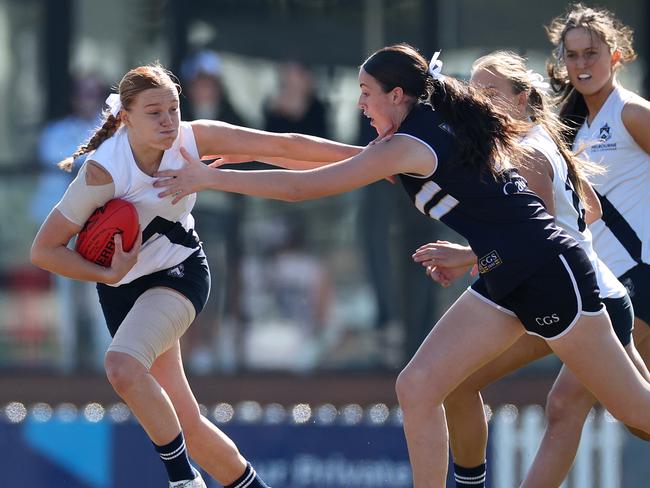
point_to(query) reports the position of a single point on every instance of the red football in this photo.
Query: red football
(95, 241)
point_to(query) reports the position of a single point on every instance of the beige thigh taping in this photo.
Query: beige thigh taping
(159, 317)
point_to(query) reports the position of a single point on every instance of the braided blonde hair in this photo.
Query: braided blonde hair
(132, 84)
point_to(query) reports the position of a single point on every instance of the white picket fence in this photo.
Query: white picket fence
(516, 436)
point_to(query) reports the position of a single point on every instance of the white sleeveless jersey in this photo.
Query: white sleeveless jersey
(623, 189)
(168, 230)
(569, 212)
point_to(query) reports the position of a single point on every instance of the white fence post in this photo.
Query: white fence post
(516, 439)
(583, 466)
(610, 442)
(504, 446)
(530, 436)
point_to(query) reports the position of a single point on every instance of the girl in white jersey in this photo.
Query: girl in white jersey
(612, 126)
(504, 74)
(450, 149)
(151, 294)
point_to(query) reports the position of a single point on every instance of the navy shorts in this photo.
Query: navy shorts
(621, 313)
(637, 282)
(190, 278)
(550, 301)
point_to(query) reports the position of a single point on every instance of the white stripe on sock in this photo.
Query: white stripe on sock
(166, 456)
(468, 478)
(247, 480)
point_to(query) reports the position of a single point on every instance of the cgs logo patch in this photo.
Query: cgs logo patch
(488, 262)
(547, 319)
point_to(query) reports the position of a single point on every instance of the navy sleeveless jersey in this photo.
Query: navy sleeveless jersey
(503, 221)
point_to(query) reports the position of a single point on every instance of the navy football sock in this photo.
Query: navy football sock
(470, 477)
(174, 456)
(248, 480)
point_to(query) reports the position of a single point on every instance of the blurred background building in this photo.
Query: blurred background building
(324, 291)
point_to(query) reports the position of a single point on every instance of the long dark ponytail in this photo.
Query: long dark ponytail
(487, 137)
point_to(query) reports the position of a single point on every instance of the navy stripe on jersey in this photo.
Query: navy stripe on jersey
(174, 231)
(621, 229)
(575, 199)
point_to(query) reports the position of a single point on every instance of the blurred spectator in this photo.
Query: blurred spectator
(390, 232)
(299, 281)
(206, 93)
(82, 332)
(296, 281)
(212, 337)
(286, 299)
(295, 106)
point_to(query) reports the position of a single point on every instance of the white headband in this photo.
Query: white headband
(537, 81)
(114, 103)
(435, 66)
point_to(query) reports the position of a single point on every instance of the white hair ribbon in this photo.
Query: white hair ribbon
(114, 103)
(537, 80)
(435, 66)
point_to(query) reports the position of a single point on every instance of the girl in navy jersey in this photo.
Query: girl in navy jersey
(558, 177)
(151, 294)
(453, 153)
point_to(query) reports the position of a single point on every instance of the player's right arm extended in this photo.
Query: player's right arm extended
(214, 137)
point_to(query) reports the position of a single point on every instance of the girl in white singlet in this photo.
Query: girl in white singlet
(151, 294)
(612, 126)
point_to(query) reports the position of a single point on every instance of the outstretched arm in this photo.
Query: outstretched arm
(214, 137)
(399, 155)
(286, 163)
(219, 129)
(222, 160)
